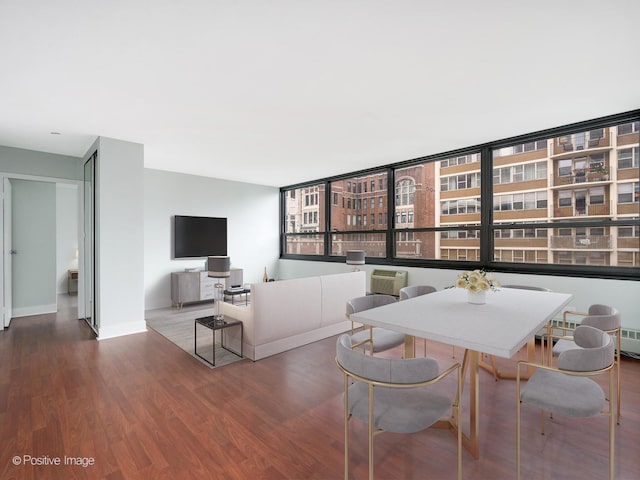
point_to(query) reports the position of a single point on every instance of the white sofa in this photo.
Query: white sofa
(290, 313)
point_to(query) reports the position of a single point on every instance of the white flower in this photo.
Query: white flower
(477, 280)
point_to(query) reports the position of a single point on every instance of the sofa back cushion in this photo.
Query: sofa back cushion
(285, 308)
(337, 290)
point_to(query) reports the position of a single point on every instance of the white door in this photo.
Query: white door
(7, 252)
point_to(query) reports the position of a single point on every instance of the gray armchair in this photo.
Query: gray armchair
(377, 339)
(603, 317)
(415, 291)
(394, 395)
(567, 390)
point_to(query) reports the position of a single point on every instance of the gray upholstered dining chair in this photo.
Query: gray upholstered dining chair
(395, 395)
(492, 367)
(603, 317)
(377, 339)
(415, 291)
(567, 389)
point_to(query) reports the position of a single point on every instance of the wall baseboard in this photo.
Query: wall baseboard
(113, 331)
(34, 310)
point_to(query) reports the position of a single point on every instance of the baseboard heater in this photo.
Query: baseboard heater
(388, 282)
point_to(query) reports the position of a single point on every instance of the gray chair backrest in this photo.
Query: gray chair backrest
(597, 352)
(368, 302)
(391, 370)
(602, 317)
(527, 287)
(415, 291)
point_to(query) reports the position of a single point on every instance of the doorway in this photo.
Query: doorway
(40, 233)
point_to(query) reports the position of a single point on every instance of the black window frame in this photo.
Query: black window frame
(487, 227)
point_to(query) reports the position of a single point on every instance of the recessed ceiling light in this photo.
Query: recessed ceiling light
(56, 133)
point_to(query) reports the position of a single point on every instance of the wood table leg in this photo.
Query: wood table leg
(472, 441)
(511, 374)
(531, 357)
(409, 346)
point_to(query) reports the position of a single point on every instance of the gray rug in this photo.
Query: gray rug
(177, 327)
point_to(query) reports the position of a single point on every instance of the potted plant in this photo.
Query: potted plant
(600, 172)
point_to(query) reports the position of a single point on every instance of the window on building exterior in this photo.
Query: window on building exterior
(628, 192)
(564, 167)
(460, 160)
(520, 148)
(405, 190)
(629, 128)
(629, 232)
(519, 173)
(564, 198)
(628, 157)
(596, 196)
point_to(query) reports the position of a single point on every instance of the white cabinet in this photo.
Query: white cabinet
(207, 286)
(187, 287)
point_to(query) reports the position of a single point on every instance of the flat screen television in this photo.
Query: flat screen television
(199, 236)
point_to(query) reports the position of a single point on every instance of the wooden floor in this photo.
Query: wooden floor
(138, 407)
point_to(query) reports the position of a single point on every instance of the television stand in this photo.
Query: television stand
(189, 287)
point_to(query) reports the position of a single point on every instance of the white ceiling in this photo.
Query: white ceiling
(277, 92)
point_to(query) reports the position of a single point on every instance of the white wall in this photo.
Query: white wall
(624, 294)
(18, 162)
(66, 233)
(120, 237)
(252, 227)
(33, 220)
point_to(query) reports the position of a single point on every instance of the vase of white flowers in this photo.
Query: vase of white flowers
(477, 298)
(477, 283)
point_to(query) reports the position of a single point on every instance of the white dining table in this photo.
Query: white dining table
(508, 320)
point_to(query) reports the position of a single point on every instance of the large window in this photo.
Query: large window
(561, 202)
(304, 214)
(579, 189)
(356, 226)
